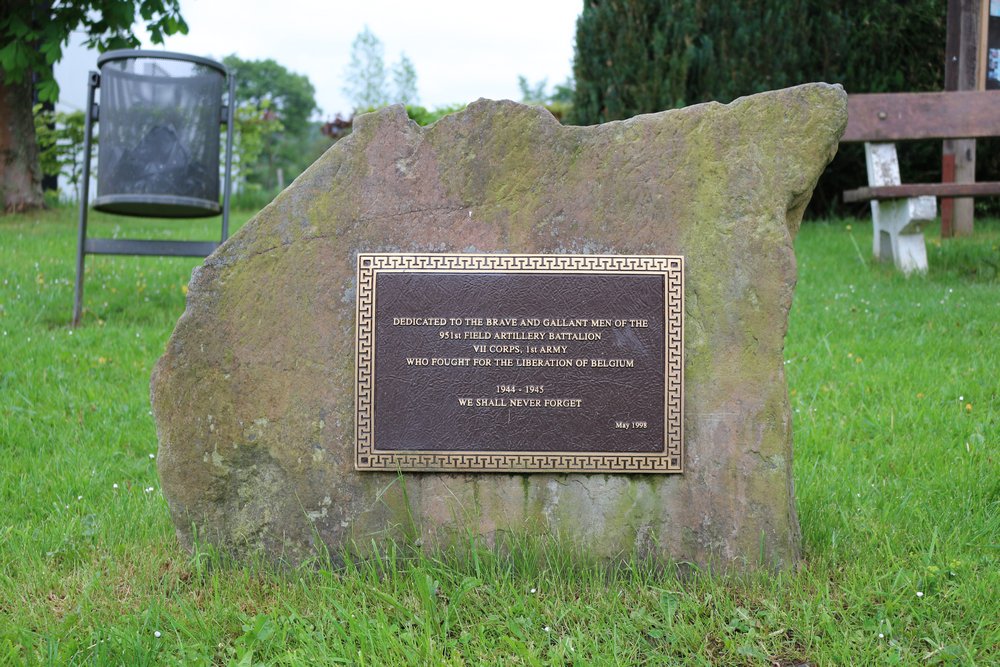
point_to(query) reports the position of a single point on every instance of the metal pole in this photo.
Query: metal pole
(81, 237)
(227, 184)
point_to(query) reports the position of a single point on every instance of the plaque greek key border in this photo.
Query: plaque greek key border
(669, 460)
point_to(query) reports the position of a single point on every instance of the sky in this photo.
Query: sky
(461, 49)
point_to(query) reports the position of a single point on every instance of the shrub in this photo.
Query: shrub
(643, 56)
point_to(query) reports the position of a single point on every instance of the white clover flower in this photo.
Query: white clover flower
(533, 590)
(157, 634)
(920, 594)
(115, 485)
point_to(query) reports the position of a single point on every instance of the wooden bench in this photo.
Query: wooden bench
(901, 211)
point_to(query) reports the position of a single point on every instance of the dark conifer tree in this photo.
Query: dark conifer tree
(644, 56)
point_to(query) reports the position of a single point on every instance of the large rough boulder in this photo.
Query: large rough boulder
(254, 397)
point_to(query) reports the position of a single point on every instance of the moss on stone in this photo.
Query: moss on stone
(269, 328)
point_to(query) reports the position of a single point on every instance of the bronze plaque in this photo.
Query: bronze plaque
(520, 363)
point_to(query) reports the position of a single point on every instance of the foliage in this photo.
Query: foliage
(896, 410)
(532, 93)
(404, 76)
(340, 127)
(424, 116)
(269, 86)
(337, 128)
(253, 126)
(273, 121)
(60, 137)
(33, 33)
(536, 93)
(367, 82)
(365, 76)
(641, 56)
(559, 102)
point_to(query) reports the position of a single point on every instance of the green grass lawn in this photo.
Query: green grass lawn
(895, 387)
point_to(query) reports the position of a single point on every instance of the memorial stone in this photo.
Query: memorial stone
(261, 397)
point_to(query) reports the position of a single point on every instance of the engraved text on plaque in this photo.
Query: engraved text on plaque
(520, 363)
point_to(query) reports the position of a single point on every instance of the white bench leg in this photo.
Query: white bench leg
(897, 224)
(910, 253)
(898, 231)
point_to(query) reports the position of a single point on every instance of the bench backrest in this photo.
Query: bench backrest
(902, 116)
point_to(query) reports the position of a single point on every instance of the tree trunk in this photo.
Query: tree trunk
(20, 173)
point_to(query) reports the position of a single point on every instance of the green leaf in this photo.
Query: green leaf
(14, 61)
(17, 27)
(48, 90)
(7, 58)
(668, 605)
(751, 651)
(52, 52)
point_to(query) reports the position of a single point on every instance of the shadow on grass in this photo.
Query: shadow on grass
(972, 259)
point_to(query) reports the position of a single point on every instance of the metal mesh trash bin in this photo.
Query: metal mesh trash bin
(159, 149)
(158, 153)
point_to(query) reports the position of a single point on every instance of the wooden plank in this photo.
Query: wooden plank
(985, 189)
(901, 116)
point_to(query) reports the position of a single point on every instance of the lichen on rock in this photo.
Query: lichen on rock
(254, 396)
